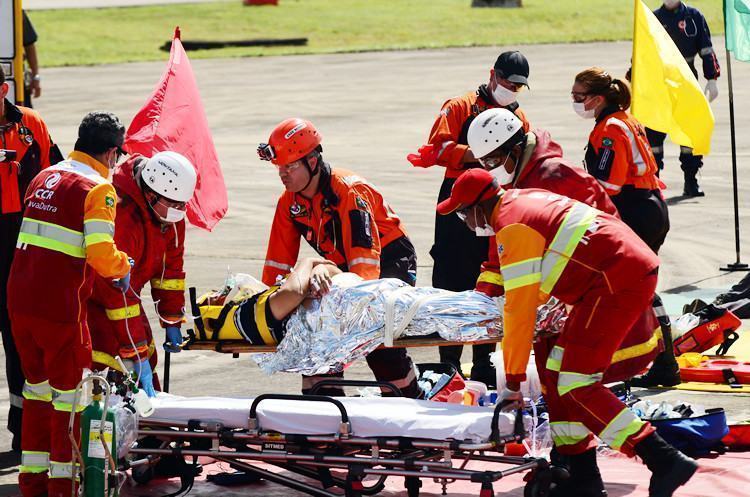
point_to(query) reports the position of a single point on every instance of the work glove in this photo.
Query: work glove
(146, 374)
(510, 400)
(174, 339)
(426, 156)
(711, 91)
(124, 283)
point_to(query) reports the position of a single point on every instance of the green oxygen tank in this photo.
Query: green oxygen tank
(96, 466)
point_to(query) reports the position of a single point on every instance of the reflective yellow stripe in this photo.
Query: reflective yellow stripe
(568, 433)
(260, 317)
(62, 400)
(638, 349)
(100, 357)
(123, 312)
(98, 238)
(61, 470)
(160, 284)
(554, 360)
(625, 424)
(34, 462)
(568, 236)
(519, 274)
(37, 391)
(490, 277)
(52, 237)
(522, 281)
(567, 381)
(98, 231)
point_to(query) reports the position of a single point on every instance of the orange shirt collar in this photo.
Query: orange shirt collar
(85, 158)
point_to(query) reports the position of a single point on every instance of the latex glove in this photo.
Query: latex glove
(174, 339)
(146, 374)
(124, 283)
(511, 400)
(711, 91)
(426, 156)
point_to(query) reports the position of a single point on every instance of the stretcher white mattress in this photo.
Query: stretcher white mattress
(369, 416)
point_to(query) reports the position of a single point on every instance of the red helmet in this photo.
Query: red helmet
(291, 140)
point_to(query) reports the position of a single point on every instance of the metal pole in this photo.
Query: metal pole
(736, 265)
(167, 367)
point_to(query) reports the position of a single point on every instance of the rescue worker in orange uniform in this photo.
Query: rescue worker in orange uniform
(344, 219)
(533, 160)
(65, 240)
(151, 229)
(25, 149)
(619, 156)
(457, 253)
(551, 245)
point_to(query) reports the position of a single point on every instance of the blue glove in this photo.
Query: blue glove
(174, 340)
(124, 283)
(143, 369)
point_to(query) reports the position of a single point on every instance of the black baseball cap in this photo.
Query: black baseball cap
(514, 67)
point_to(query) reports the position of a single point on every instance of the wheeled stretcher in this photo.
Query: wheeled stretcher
(348, 445)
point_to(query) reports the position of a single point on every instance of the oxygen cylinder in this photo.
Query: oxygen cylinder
(96, 467)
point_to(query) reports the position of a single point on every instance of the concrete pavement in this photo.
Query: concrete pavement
(97, 4)
(372, 109)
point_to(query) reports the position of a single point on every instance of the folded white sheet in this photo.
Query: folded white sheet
(369, 416)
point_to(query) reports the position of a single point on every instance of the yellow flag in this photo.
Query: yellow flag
(666, 95)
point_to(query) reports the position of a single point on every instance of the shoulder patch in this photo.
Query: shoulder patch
(607, 142)
(361, 204)
(109, 200)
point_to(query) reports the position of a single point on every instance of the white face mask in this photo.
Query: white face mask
(173, 215)
(580, 109)
(484, 231)
(503, 96)
(671, 4)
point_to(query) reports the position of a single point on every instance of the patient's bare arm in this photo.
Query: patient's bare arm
(297, 286)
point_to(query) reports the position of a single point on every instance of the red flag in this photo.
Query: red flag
(173, 119)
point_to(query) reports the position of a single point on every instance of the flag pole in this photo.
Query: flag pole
(736, 265)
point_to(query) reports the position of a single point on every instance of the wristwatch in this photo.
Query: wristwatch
(37, 77)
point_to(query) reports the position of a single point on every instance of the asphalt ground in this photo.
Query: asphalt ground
(372, 109)
(95, 4)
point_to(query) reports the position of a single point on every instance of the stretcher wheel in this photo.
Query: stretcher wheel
(541, 481)
(142, 475)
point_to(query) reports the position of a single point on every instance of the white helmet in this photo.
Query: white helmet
(171, 175)
(490, 130)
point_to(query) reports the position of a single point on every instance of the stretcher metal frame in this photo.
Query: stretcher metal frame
(361, 465)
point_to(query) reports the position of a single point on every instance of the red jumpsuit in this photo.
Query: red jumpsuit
(552, 246)
(65, 239)
(157, 250)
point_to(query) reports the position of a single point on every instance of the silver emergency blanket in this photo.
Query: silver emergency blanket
(357, 316)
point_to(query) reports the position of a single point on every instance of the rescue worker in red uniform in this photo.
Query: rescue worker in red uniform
(151, 229)
(66, 238)
(25, 149)
(457, 253)
(533, 160)
(551, 245)
(619, 156)
(344, 219)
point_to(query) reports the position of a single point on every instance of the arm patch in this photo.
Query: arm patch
(599, 165)
(361, 228)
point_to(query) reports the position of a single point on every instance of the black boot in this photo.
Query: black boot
(585, 479)
(692, 188)
(664, 371)
(670, 468)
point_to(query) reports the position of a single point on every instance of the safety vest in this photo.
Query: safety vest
(50, 276)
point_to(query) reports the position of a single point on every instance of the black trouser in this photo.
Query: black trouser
(10, 225)
(645, 212)
(688, 162)
(398, 260)
(458, 254)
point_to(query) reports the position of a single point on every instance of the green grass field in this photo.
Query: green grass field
(100, 36)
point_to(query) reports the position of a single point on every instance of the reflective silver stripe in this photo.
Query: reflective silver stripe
(568, 381)
(640, 164)
(62, 400)
(52, 231)
(658, 150)
(523, 268)
(689, 60)
(660, 311)
(610, 186)
(61, 470)
(98, 226)
(35, 461)
(686, 150)
(403, 382)
(578, 220)
(568, 433)
(625, 424)
(37, 391)
(364, 260)
(16, 401)
(278, 265)
(706, 51)
(79, 168)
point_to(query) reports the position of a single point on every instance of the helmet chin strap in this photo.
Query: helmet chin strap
(311, 175)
